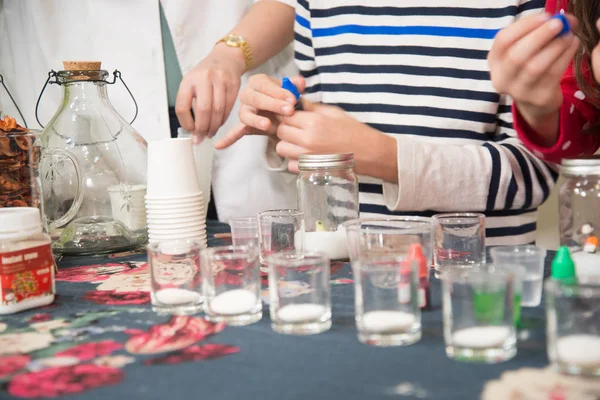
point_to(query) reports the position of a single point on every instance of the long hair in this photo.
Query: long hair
(587, 12)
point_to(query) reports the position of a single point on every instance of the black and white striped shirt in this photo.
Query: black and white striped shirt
(417, 69)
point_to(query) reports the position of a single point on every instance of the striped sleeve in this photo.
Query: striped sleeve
(500, 174)
(305, 52)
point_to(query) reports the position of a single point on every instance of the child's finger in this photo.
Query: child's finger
(300, 83)
(291, 134)
(270, 87)
(231, 137)
(265, 102)
(293, 166)
(531, 45)
(289, 150)
(562, 62)
(510, 35)
(549, 58)
(250, 118)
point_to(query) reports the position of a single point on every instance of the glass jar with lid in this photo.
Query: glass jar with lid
(328, 196)
(579, 211)
(92, 168)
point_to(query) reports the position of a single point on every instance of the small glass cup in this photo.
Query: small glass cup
(175, 277)
(387, 301)
(459, 240)
(231, 285)
(573, 325)
(279, 230)
(299, 292)
(478, 314)
(392, 235)
(532, 259)
(244, 231)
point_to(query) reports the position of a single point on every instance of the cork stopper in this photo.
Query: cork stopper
(82, 65)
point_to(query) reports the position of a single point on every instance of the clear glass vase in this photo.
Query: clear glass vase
(92, 169)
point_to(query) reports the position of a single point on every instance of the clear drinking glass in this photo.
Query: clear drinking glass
(305, 310)
(459, 240)
(175, 277)
(387, 302)
(478, 314)
(232, 284)
(244, 231)
(279, 230)
(573, 325)
(388, 235)
(532, 259)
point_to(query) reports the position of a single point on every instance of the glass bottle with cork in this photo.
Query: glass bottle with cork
(92, 168)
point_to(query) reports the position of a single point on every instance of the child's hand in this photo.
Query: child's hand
(527, 61)
(210, 89)
(263, 103)
(326, 129)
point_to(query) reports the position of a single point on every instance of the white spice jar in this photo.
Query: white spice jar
(26, 261)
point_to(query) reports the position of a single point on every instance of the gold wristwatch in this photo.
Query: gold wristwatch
(233, 40)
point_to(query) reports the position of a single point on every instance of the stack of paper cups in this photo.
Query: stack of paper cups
(174, 201)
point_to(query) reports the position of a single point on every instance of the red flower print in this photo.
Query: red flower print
(336, 266)
(193, 353)
(93, 273)
(11, 364)
(179, 333)
(40, 318)
(117, 298)
(87, 351)
(54, 382)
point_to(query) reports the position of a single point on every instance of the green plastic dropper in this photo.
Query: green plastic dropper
(563, 267)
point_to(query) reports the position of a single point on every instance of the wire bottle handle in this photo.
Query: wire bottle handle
(13, 100)
(53, 74)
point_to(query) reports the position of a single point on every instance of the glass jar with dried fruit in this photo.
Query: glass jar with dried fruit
(19, 160)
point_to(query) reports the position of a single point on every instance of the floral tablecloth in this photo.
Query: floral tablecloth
(100, 340)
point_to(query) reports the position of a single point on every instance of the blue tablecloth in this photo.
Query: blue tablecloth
(100, 340)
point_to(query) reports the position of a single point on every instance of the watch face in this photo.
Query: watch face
(234, 40)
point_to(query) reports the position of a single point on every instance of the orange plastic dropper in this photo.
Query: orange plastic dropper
(415, 253)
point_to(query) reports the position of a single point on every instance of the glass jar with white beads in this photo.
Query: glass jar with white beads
(579, 211)
(328, 196)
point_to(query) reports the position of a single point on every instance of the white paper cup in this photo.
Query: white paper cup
(174, 200)
(185, 203)
(167, 218)
(170, 231)
(201, 241)
(184, 225)
(195, 236)
(175, 212)
(171, 169)
(174, 206)
(175, 196)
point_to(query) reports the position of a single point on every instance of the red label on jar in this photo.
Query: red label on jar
(25, 274)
